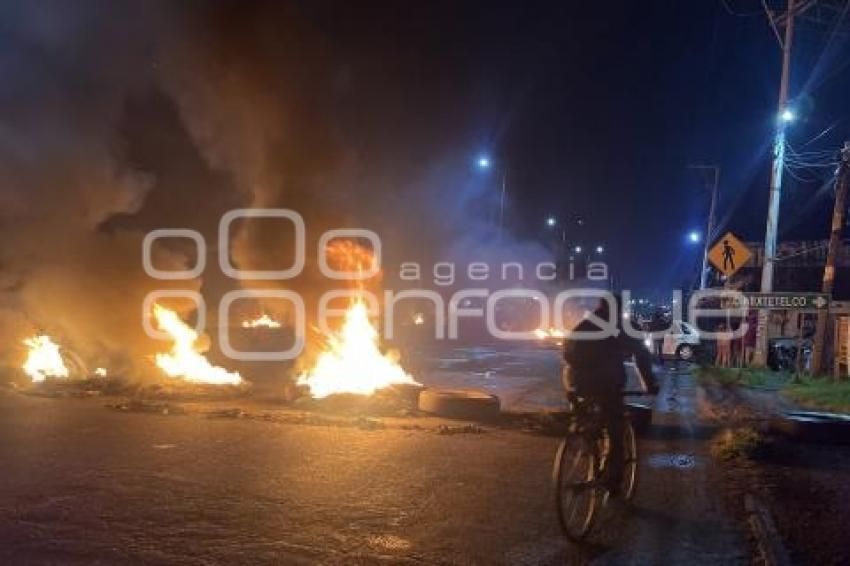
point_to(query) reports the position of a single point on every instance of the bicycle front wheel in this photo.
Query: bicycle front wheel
(574, 477)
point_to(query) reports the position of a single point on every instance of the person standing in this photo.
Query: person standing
(724, 347)
(749, 338)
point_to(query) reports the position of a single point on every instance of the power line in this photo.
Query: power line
(732, 12)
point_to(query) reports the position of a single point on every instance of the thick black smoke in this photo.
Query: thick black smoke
(119, 119)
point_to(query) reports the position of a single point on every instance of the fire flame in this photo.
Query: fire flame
(553, 332)
(184, 360)
(261, 321)
(352, 362)
(43, 358)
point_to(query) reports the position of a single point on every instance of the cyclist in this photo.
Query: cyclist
(595, 371)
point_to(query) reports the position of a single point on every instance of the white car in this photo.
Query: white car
(680, 341)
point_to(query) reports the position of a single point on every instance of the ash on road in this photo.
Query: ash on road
(84, 484)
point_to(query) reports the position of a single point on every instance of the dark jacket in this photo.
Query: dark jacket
(596, 366)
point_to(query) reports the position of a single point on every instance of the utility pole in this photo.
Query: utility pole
(841, 182)
(783, 117)
(710, 228)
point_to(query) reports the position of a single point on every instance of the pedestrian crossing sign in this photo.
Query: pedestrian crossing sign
(729, 254)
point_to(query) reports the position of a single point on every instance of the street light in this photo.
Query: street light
(694, 237)
(578, 249)
(600, 249)
(484, 163)
(550, 221)
(787, 115)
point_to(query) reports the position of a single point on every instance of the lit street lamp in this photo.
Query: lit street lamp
(694, 237)
(484, 163)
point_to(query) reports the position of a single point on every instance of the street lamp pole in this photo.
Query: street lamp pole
(484, 163)
(784, 115)
(709, 232)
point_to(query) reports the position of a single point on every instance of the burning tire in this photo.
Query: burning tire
(466, 404)
(809, 426)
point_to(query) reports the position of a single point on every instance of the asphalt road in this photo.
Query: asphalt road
(81, 483)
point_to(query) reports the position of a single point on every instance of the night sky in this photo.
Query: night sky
(597, 109)
(117, 118)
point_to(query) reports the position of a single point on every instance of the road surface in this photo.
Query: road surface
(82, 483)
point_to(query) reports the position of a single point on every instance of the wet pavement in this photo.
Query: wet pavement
(526, 376)
(679, 515)
(85, 484)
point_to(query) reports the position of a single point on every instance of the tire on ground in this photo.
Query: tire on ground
(810, 426)
(467, 404)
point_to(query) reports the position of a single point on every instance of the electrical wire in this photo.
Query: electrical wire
(823, 133)
(811, 85)
(791, 173)
(731, 12)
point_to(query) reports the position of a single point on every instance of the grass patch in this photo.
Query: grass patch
(723, 377)
(757, 378)
(820, 393)
(741, 443)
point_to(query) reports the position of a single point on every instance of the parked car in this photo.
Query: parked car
(680, 341)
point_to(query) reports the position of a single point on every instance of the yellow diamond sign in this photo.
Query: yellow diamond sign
(729, 254)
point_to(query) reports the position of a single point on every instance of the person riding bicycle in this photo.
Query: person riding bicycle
(595, 371)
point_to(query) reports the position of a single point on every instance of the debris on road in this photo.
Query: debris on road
(144, 406)
(369, 424)
(392, 401)
(744, 442)
(459, 429)
(234, 413)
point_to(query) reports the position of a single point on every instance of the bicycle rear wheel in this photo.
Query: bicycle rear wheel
(574, 475)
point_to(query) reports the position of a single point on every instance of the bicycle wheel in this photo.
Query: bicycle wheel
(630, 462)
(574, 476)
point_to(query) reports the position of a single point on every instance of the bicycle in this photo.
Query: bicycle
(580, 467)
